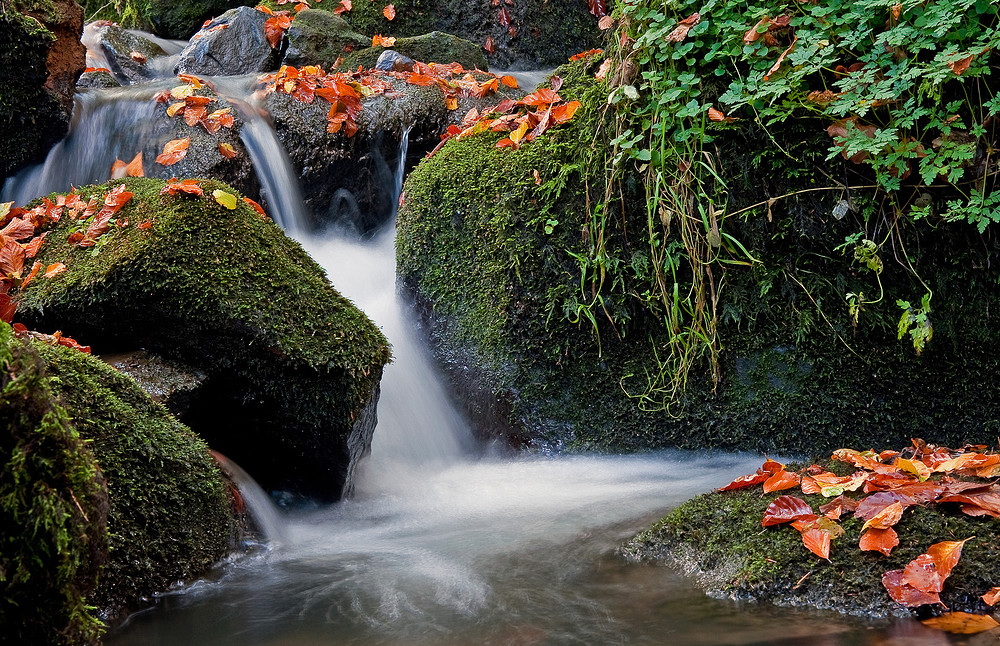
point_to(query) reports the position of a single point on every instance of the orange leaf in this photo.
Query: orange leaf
(589, 52)
(563, 113)
(817, 541)
(780, 481)
(54, 270)
(540, 98)
(879, 540)
(946, 555)
(991, 597)
(134, 167)
(886, 518)
(896, 9)
(389, 12)
(173, 151)
(451, 103)
(343, 7)
(31, 249)
(34, 270)
(11, 258)
(963, 623)
(680, 32)
(273, 31)
(118, 169)
(187, 187)
(747, 481)
(382, 41)
(256, 207)
(227, 150)
(144, 225)
(190, 79)
(602, 71)
(509, 81)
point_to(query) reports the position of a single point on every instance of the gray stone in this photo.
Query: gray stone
(127, 54)
(392, 61)
(99, 79)
(167, 382)
(234, 43)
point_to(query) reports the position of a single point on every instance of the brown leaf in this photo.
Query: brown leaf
(605, 23)
(227, 150)
(555, 82)
(961, 65)
(488, 45)
(752, 34)
(785, 509)
(777, 63)
(680, 32)
(962, 623)
(906, 594)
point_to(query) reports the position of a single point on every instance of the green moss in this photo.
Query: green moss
(53, 509)
(169, 516)
(718, 538)
(228, 292)
(435, 47)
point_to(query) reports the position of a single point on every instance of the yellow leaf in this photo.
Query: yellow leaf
(227, 200)
(181, 92)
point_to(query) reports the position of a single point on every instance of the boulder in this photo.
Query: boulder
(180, 19)
(435, 47)
(41, 52)
(53, 507)
(98, 79)
(127, 55)
(352, 180)
(522, 35)
(292, 368)
(232, 44)
(318, 37)
(392, 61)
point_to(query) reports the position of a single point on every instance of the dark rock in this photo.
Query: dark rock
(180, 19)
(42, 56)
(127, 55)
(392, 61)
(100, 80)
(167, 382)
(435, 47)
(318, 37)
(232, 44)
(351, 181)
(292, 367)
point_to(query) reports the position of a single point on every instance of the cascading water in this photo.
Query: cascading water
(439, 546)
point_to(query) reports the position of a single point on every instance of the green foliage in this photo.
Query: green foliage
(904, 91)
(53, 509)
(131, 14)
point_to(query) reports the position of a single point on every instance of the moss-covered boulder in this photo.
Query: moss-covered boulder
(718, 540)
(292, 367)
(525, 35)
(129, 56)
(318, 37)
(558, 302)
(182, 19)
(41, 52)
(435, 47)
(53, 508)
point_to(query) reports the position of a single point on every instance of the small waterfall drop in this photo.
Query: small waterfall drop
(259, 506)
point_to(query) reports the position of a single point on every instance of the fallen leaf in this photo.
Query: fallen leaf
(173, 151)
(54, 270)
(605, 23)
(905, 594)
(879, 540)
(785, 509)
(896, 9)
(781, 58)
(817, 541)
(991, 597)
(780, 481)
(187, 187)
(489, 46)
(509, 81)
(602, 71)
(962, 623)
(886, 518)
(961, 65)
(389, 12)
(746, 481)
(382, 41)
(227, 150)
(227, 200)
(256, 207)
(753, 33)
(680, 32)
(451, 103)
(137, 57)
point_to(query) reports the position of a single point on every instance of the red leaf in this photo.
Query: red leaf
(7, 308)
(589, 52)
(785, 509)
(906, 594)
(256, 207)
(817, 541)
(187, 187)
(503, 17)
(879, 540)
(886, 518)
(680, 32)
(489, 46)
(598, 8)
(871, 506)
(923, 575)
(18, 229)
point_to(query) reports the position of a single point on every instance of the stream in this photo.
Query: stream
(444, 542)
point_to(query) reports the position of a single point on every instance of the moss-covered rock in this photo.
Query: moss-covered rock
(499, 267)
(119, 48)
(537, 33)
(292, 367)
(318, 37)
(41, 52)
(717, 538)
(170, 507)
(172, 19)
(53, 508)
(435, 47)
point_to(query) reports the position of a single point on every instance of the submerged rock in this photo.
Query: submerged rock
(128, 55)
(42, 56)
(232, 44)
(292, 368)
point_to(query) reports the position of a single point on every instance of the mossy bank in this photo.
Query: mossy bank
(292, 367)
(534, 275)
(718, 540)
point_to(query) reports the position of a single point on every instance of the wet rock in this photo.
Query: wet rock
(292, 368)
(351, 181)
(318, 37)
(42, 56)
(435, 47)
(232, 44)
(100, 80)
(167, 382)
(127, 55)
(204, 157)
(181, 18)
(392, 61)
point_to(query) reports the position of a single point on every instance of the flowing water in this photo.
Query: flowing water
(443, 544)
